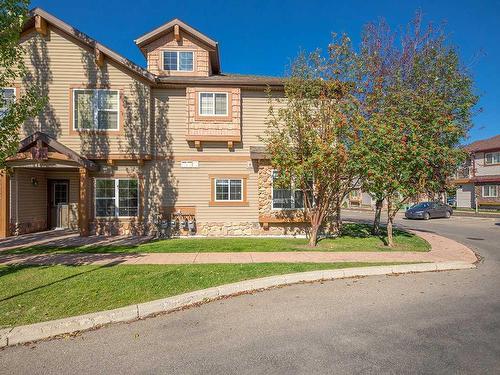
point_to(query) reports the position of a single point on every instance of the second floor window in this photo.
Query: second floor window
(212, 104)
(181, 61)
(7, 96)
(96, 109)
(492, 158)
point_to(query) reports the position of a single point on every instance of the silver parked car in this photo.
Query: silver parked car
(429, 210)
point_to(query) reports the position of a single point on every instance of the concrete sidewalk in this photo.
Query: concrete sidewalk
(442, 250)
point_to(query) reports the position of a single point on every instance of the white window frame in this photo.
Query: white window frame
(497, 153)
(116, 197)
(95, 128)
(228, 179)
(213, 97)
(11, 88)
(495, 187)
(178, 60)
(292, 198)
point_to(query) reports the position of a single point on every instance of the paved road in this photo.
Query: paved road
(447, 322)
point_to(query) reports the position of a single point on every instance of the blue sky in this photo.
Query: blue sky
(263, 36)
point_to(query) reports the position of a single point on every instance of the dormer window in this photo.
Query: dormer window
(181, 61)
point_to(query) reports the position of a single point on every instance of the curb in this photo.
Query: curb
(481, 215)
(39, 331)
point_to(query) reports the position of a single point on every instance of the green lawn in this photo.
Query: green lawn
(356, 237)
(30, 294)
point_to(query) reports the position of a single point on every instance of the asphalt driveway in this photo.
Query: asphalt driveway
(446, 322)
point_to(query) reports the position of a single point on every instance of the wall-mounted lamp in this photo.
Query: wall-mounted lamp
(34, 181)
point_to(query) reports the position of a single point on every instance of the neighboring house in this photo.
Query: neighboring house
(478, 181)
(119, 147)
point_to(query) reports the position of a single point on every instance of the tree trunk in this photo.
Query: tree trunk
(337, 222)
(390, 240)
(313, 239)
(376, 221)
(390, 220)
(338, 218)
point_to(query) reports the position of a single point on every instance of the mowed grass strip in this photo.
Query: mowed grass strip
(30, 294)
(355, 237)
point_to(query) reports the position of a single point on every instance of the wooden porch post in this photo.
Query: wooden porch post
(83, 203)
(4, 204)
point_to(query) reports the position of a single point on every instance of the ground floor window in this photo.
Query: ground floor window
(490, 191)
(287, 198)
(229, 190)
(116, 197)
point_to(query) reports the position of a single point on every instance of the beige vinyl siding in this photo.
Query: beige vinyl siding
(483, 169)
(193, 189)
(57, 63)
(171, 123)
(191, 186)
(29, 202)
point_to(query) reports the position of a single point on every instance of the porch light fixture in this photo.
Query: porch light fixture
(34, 181)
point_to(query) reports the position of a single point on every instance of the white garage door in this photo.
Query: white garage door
(465, 196)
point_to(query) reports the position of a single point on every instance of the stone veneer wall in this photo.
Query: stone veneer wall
(265, 183)
(219, 229)
(265, 178)
(113, 227)
(37, 225)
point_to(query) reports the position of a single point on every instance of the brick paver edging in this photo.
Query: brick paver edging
(45, 330)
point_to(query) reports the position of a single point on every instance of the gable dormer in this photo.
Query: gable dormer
(177, 49)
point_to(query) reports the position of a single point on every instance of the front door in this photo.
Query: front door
(58, 199)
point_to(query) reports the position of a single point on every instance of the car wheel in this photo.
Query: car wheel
(447, 214)
(427, 216)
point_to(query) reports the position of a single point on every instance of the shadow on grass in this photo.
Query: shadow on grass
(16, 268)
(364, 230)
(47, 249)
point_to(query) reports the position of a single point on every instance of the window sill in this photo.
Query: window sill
(95, 130)
(284, 220)
(119, 218)
(227, 204)
(287, 209)
(215, 119)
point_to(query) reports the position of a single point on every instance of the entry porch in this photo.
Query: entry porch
(46, 186)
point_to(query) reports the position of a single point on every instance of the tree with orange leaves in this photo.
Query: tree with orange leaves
(313, 138)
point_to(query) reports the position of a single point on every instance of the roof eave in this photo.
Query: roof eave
(165, 28)
(84, 38)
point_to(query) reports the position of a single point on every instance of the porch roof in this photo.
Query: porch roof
(259, 153)
(43, 147)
